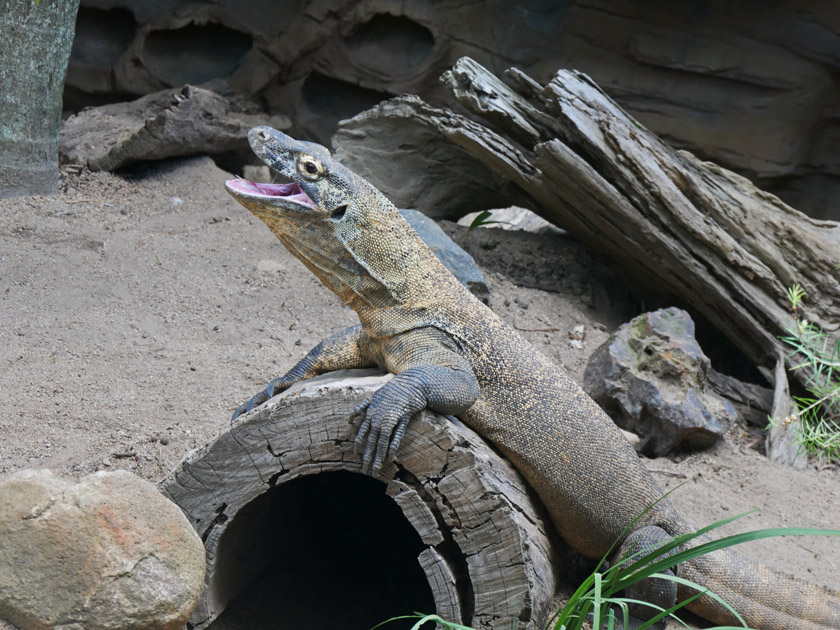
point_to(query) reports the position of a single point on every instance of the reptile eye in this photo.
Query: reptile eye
(310, 168)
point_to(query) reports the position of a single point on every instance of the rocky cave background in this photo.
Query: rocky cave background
(750, 85)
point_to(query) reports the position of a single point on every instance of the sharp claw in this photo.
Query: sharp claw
(399, 432)
(368, 456)
(361, 407)
(361, 435)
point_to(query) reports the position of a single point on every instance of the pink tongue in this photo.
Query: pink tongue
(277, 190)
(289, 191)
(271, 190)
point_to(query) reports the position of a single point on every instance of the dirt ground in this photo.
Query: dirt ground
(137, 311)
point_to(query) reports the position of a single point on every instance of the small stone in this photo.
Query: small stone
(267, 265)
(164, 440)
(632, 438)
(522, 301)
(514, 218)
(650, 376)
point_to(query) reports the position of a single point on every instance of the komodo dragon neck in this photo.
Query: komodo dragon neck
(348, 234)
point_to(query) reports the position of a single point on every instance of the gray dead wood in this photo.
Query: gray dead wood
(170, 123)
(780, 441)
(667, 219)
(451, 487)
(753, 402)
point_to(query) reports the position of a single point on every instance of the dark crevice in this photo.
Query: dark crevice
(195, 53)
(392, 45)
(327, 100)
(272, 481)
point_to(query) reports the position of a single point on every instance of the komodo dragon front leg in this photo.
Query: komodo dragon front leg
(340, 351)
(429, 374)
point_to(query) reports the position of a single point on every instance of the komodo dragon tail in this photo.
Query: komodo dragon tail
(766, 599)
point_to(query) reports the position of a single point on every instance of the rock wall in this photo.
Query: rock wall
(751, 85)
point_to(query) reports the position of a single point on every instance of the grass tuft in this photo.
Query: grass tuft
(598, 598)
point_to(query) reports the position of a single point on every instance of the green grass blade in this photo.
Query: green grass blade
(701, 590)
(634, 575)
(596, 602)
(423, 619)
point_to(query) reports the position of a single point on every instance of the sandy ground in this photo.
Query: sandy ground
(137, 311)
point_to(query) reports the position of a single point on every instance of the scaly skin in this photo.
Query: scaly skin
(452, 354)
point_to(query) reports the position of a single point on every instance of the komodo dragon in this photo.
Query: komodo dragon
(452, 354)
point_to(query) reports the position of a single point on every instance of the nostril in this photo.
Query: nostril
(262, 135)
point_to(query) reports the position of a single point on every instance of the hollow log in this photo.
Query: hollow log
(280, 498)
(667, 219)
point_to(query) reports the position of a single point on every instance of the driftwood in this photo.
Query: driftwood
(170, 123)
(670, 221)
(483, 545)
(780, 442)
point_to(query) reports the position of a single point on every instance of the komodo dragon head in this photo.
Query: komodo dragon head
(338, 225)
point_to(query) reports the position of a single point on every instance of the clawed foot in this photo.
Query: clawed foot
(378, 436)
(272, 389)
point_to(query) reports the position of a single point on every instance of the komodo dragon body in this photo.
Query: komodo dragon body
(452, 354)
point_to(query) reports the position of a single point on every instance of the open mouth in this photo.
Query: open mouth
(288, 192)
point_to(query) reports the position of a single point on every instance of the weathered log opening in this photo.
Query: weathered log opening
(338, 549)
(279, 500)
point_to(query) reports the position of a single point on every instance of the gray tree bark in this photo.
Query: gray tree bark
(36, 36)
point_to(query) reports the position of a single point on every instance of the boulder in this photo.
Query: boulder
(650, 377)
(104, 552)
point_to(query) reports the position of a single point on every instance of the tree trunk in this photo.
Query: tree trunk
(668, 220)
(478, 537)
(36, 36)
